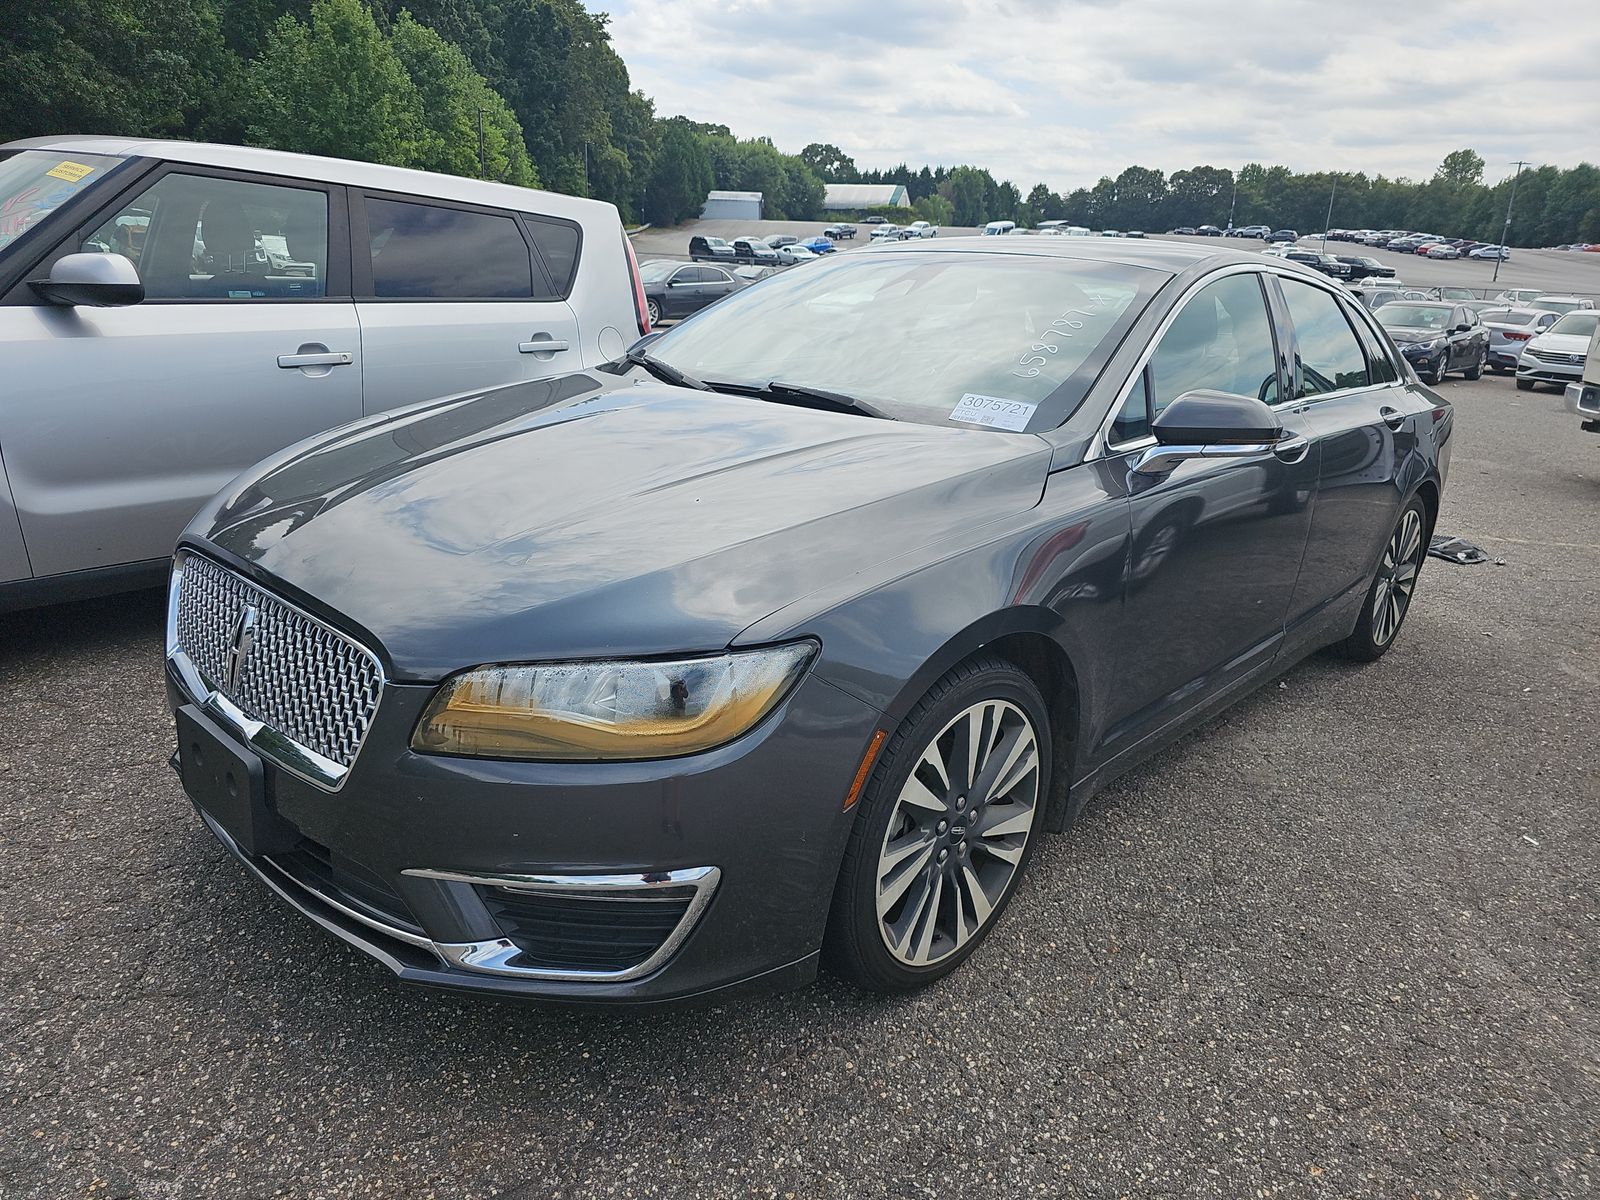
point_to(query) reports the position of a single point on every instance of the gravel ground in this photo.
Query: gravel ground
(1340, 943)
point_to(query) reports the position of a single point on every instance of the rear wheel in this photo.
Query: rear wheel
(654, 309)
(947, 825)
(1475, 371)
(1389, 598)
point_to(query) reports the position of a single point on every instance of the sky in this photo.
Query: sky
(1065, 91)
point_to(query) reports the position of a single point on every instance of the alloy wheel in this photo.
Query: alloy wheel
(956, 837)
(1397, 577)
(654, 311)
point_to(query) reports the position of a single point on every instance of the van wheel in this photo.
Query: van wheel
(946, 827)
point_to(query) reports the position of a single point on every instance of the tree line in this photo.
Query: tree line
(532, 92)
(1553, 205)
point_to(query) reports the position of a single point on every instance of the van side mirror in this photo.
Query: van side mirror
(91, 280)
(1210, 424)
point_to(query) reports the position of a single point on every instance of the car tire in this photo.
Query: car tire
(653, 311)
(1524, 385)
(1432, 377)
(1393, 588)
(917, 870)
(1475, 371)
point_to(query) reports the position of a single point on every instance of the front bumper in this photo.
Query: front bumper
(410, 858)
(1529, 367)
(1425, 361)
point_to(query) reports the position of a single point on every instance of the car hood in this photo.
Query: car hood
(576, 518)
(1560, 343)
(1407, 334)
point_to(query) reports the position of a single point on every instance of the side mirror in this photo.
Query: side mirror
(1209, 424)
(92, 280)
(1463, 328)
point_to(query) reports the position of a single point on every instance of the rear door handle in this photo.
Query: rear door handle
(327, 358)
(1393, 418)
(541, 346)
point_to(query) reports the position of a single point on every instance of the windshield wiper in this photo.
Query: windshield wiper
(780, 391)
(665, 373)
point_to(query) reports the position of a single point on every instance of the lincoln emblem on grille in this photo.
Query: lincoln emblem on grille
(241, 643)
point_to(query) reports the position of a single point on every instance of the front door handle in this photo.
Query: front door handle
(541, 346)
(1393, 418)
(1292, 448)
(326, 358)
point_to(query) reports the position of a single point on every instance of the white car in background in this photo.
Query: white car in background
(1520, 297)
(885, 232)
(919, 229)
(1510, 331)
(796, 253)
(1558, 356)
(1503, 253)
(1561, 304)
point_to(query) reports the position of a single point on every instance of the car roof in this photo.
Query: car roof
(377, 176)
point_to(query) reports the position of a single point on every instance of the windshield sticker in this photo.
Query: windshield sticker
(70, 171)
(993, 411)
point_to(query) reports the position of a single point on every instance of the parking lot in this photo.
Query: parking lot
(1342, 942)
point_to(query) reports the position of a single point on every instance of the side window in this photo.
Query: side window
(1133, 420)
(196, 237)
(1328, 358)
(425, 251)
(1222, 340)
(1379, 363)
(686, 275)
(558, 246)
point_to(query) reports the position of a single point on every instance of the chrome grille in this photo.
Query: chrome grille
(308, 683)
(1555, 356)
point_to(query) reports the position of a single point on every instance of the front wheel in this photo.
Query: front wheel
(1389, 598)
(1434, 376)
(945, 829)
(653, 309)
(1524, 385)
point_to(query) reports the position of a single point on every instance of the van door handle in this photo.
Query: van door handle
(327, 358)
(1393, 418)
(541, 346)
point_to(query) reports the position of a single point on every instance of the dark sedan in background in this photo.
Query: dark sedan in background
(1364, 267)
(674, 289)
(788, 636)
(1437, 337)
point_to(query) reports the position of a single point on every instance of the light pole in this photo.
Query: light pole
(1331, 193)
(1505, 231)
(1234, 201)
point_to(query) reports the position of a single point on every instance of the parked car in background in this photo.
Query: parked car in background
(1583, 397)
(1561, 304)
(796, 253)
(1441, 250)
(1283, 235)
(1251, 231)
(1315, 259)
(1452, 293)
(1375, 295)
(779, 241)
(1437, 337)
(754, 250)
(613, 694)
(999, 228)
(1208, 231)
(875, 220)
(1182, 231)
(674, 289)
(1362, 267)
(840, 232)
(819, 245)
(1134, 233)
(1559, 353)
(711, 249)
(1510, 330)
(919, 229)
(1111, 233)
(886, 232)
(750, 273)
(138, 382)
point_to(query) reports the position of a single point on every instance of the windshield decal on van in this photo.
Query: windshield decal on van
(72, 172)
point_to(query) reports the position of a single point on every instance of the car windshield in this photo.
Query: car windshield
(655, 272)
(34, 183)
(925, 336)
(1580, 324)
(1414, 316)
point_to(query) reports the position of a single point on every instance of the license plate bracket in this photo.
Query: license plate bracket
(226, 781)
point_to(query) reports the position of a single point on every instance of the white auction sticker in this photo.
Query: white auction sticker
(993, 411)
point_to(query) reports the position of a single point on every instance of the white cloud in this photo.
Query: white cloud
(1065, 91)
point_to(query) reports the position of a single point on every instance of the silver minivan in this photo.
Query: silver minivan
(171, 313)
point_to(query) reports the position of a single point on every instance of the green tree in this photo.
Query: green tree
(469, 128)
(336, 88)
(681, 178)
(934, 209)
(1462, 168)
(830, 164)
(967, 189)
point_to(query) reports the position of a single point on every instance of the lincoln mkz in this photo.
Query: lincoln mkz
(783, 639)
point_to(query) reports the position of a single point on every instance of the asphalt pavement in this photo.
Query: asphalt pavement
(1340, 943)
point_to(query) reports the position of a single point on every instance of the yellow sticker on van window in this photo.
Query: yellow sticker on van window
(70, 171)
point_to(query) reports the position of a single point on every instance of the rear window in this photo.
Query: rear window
(1504, 316)
(557, 242)
(420, 251)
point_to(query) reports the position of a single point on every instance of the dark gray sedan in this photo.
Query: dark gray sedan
(785, 639)
(676, 289)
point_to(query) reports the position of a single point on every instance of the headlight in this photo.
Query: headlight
(608, 710)
(1430, 345)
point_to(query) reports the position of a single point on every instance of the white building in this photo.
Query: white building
(732, 206)
(853, 197)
